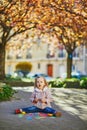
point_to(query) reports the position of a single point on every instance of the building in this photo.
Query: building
(53, 64)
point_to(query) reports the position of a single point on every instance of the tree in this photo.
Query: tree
(15, 18)
(73, 29)
(24, 67)
(68, 21)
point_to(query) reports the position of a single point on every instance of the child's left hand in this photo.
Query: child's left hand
(43, 100)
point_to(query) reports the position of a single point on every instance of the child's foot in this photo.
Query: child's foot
(58, 114)
(18, 111)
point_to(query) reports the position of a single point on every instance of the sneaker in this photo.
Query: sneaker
(58, 114)
(18, 111)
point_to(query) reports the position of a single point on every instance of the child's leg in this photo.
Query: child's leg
(51, 111)
(30, 109)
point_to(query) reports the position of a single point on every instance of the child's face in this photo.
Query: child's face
(40, 83)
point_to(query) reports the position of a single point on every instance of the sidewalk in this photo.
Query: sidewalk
(71, 102)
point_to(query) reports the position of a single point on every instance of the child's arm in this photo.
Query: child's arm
(33, 98)
(48, 97)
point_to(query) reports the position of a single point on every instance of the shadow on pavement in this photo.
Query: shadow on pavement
(72, 105)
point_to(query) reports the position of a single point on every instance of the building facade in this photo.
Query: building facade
(44, 62)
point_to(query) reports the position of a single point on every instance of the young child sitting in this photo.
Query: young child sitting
(41, 99)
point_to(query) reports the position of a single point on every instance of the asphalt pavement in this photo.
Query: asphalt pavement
(71, 102)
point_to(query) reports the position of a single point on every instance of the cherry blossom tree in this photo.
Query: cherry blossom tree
(66, 19)
(15, 18)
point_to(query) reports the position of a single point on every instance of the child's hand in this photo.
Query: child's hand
(43, 100)
(35, 100)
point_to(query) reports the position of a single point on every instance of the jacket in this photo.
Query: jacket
(42, 94)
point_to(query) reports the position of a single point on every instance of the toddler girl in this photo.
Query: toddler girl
(41, 99)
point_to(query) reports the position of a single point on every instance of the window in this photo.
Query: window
(9, 69)
(9, 57)
(61, 53)
(50, 53)
(76, 53)
(38, 65)
(18, 56)
(10, 54)
(28, 53)
(29, 56)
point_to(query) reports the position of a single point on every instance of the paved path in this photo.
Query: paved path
(71, 102)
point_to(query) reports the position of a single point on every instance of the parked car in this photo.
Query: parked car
(31, 75)
(20, 73)
(74, 74)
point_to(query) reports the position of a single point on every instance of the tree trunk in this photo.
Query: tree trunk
(69, 65)
(2, 61)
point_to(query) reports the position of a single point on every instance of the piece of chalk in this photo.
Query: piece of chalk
(23, 112)
(50, 114)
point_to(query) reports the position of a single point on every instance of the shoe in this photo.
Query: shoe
(18, 111)
(58, 114)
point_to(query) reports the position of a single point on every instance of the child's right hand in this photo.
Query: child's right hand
(43, 100)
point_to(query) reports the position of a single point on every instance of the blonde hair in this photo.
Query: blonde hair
(45, 82)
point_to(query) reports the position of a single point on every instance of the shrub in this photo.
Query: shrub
(57, 83)
(72, 83)
(65, 83)
(83, 83)
(6, 92)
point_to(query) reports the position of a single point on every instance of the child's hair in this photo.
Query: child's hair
(35, 85)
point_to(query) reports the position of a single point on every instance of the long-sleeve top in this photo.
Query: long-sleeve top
(42, 94)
